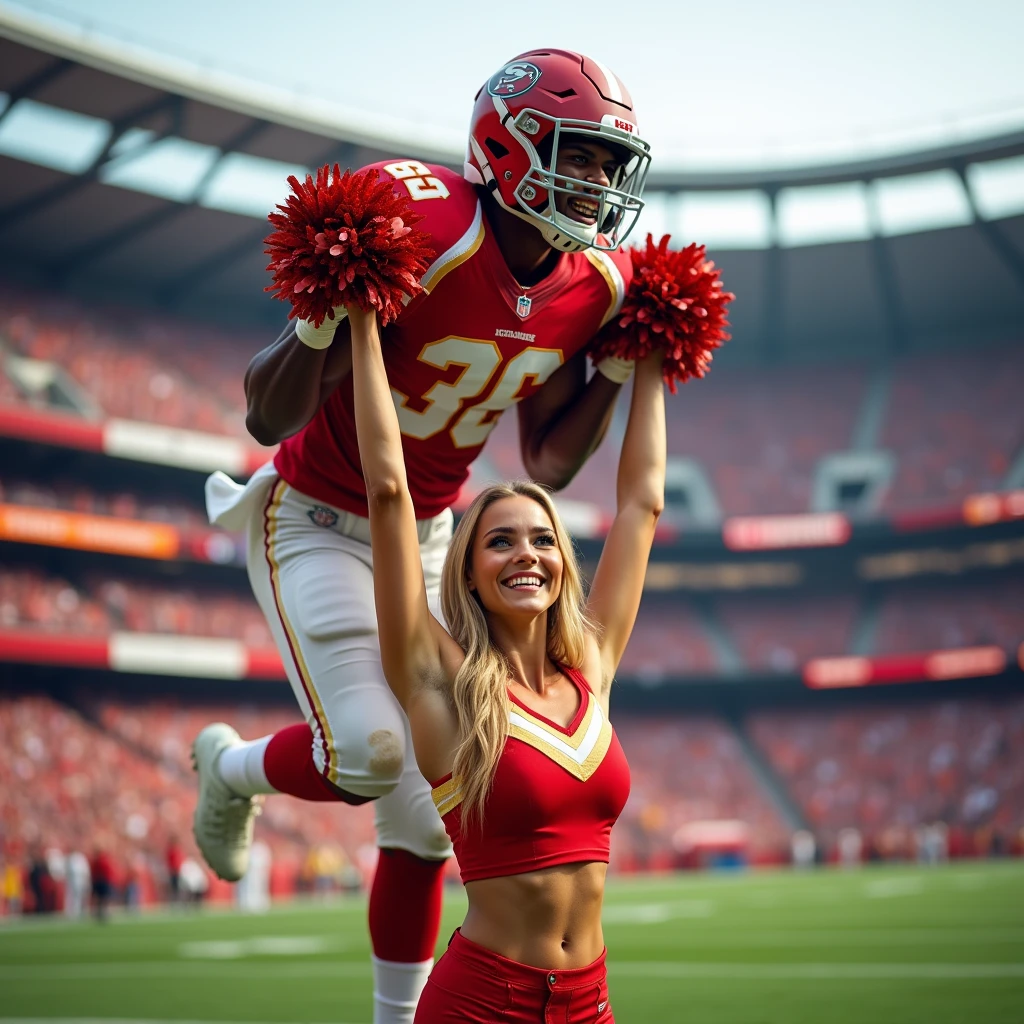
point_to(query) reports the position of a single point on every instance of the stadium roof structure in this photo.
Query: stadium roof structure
(150, 180)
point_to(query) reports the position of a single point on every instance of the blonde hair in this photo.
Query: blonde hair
(479, 691)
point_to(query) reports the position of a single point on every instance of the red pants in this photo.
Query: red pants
(472, 985)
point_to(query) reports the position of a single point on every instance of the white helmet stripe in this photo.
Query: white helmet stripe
(614, 86)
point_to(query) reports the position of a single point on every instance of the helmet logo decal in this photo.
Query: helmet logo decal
(514, 79)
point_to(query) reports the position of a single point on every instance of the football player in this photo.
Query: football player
(528, 268)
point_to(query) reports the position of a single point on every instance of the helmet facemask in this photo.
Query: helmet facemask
(619, 202)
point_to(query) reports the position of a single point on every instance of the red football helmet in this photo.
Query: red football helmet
(524, 111)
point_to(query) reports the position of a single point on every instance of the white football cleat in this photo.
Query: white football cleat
(223, 821)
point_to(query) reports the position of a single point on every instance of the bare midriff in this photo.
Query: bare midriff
(549, 919)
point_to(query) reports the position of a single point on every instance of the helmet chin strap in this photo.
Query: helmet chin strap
(562, 224)
(554, 234)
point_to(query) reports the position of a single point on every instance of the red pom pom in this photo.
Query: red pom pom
(674, 303)
(343, 240)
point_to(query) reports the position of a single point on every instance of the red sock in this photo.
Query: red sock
(288, 765)
(405, 907)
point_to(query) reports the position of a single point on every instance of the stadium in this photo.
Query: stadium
(822, 702)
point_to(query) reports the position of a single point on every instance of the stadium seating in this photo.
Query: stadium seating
(195, 611)
(66, 784)
(684, 770)
(667, 641)
(135, 365)
(778, 634)
(888, 770)
(761, 433)
(964, 614)
(956, 425)
(164, 731)
(774, 634)
(30, 599)
(119, 778)
(119, 772)
(116, 773)
(124, 504)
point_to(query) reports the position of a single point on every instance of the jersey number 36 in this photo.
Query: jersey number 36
(480, 363)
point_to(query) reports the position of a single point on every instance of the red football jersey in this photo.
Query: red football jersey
(459, 354)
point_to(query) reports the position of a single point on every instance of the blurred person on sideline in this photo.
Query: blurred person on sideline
(253, 889)
(12, 885)
(528, 268)
(41, 883)
(195, 884)
(103, 873)
(509, 710)
(77, 884)
(173, 859)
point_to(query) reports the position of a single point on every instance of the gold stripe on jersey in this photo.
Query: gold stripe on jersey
(454, 257)
(573, 739)
(270, 536)
(580, 754)
(447, 796)
(606, 267)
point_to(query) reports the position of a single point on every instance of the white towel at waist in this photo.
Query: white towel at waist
(232, 505)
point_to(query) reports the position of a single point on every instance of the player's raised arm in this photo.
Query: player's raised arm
(563, 423)
(640, 497)
(409, 649)
(288, 381)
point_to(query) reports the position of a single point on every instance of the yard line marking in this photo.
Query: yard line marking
(127, 1020)
(162, 914)
(815, 972)
(839, 936)
(655, 913)
(626, 968)
(885, 888)
(268, 945)
(228, 970)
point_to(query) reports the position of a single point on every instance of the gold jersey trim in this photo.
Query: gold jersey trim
(580, 752)
(610, 272)
(454, 257)
(447, 796)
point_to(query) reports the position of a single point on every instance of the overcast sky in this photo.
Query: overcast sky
(733, 82)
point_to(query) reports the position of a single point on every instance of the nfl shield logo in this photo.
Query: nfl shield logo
(523, 306)
(320, 516)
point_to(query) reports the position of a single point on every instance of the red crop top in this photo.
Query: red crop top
(557, 792)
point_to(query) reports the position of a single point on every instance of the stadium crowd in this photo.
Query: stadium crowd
(31, 599)
(769, 633)
(890, 771)
(109, 781)
(74, 497)
(965, 614)
(134, 365)
(957, 425)
(779, 633)
(954, 427)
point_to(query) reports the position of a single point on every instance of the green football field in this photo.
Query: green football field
(870, 946)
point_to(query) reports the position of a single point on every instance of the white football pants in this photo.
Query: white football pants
(311, 570)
